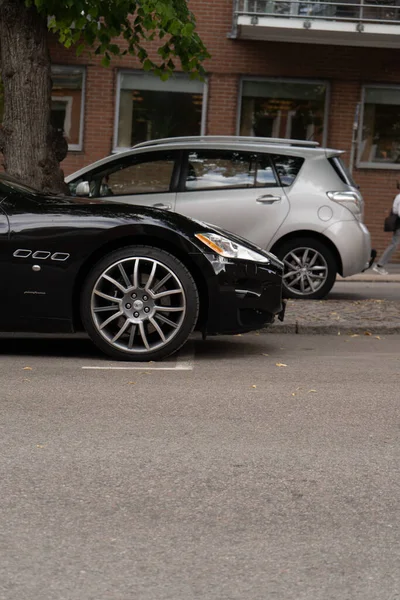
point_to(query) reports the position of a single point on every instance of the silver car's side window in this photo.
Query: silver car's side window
(211, 169)
(141, 178)
(287, 168)
(265, 173)
(149, 173)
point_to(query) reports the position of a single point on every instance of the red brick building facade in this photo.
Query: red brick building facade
(258, 86)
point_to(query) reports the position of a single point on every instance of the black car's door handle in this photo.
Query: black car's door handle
(268, 199)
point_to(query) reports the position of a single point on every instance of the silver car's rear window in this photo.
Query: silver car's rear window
(342, 171)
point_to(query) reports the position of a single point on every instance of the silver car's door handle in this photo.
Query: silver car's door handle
(268, 199)
(162, 206)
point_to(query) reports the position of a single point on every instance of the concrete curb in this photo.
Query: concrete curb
(369, 278)
(383, 328)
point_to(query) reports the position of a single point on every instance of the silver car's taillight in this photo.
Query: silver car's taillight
(351, 200)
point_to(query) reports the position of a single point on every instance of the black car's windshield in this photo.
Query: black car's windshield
(8, 184)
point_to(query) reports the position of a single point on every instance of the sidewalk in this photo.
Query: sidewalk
(370, 275)
(344, 317)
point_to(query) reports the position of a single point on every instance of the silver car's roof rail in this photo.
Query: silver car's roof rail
(228, 138)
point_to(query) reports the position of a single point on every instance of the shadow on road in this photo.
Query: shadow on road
(234, 347)
(55, 347)
(214, 348)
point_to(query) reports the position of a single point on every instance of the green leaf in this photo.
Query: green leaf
(101, 25)
(106, 60)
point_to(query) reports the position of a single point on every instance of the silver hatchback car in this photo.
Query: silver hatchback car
(290, 197)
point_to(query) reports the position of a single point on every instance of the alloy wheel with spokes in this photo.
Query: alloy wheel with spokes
(141, 303)
(310, 269)
(305, 270)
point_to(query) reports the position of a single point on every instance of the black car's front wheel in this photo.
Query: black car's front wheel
(139, 303)
(309, 268)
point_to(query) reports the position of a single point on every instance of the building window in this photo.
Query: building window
(67, 103)
(379, 134)
(284, 109)
(148, 108)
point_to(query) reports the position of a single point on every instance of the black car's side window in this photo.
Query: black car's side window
(141, 174)
(216, 169)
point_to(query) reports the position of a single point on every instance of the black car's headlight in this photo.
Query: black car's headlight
(228, 249)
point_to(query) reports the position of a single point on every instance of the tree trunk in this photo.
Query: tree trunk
(32, 149)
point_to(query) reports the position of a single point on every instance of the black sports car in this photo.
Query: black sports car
(137, 279)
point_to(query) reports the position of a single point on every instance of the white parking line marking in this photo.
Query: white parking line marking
(183, 363)
(144, 368)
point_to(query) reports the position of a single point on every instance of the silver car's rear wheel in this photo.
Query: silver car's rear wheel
(141, 305)
(310, 269)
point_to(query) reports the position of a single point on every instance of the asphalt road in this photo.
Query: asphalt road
(363, 290)
(226, 477)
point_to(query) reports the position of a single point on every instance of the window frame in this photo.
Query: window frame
(129, 161)
(255, 154)
(324, 82)
(120, 73)
(69, 68)
(387, 166)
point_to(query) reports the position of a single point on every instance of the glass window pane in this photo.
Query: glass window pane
(66, 106)
(265, 174)
(283, 109)
(219, 169)
(287, 168)
(380, 131)
(138, 175)
(164, 109)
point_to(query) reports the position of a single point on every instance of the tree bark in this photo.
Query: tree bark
(32, 149)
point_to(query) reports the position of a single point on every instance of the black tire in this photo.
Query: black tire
(135, 316)
(318, 278)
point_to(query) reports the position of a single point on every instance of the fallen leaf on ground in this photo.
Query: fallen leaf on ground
(27, 369)
(132, 382)
(253, 386)
(281, 365)
(263, 354)
(355, 335)
(309, 391)
(377, 337)
(367, 333)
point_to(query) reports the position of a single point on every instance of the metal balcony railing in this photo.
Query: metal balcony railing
(364, 11)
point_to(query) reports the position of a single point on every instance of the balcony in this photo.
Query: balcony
(374, 23)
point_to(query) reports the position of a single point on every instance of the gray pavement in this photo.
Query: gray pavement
(370, 275)
(228, 478)
(363, 304)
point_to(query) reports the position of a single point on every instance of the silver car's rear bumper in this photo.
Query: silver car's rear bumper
(353, 242)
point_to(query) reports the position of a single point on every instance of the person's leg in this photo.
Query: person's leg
(387, 255)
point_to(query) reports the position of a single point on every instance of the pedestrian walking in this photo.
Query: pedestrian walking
(379, 267)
